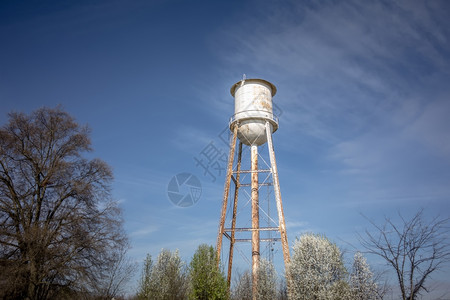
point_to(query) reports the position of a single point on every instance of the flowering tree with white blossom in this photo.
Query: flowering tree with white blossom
(166, 279)
(362, 283)
(317, 270)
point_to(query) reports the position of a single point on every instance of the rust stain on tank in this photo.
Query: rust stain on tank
(266, 105)
(263, 104)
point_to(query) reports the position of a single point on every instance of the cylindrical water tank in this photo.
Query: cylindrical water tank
(252, 108)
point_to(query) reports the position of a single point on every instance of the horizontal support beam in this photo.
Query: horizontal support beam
(260, 184)
(251, 229)
(261, 240)
(255, 171)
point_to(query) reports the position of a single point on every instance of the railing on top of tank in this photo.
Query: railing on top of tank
(256, 114)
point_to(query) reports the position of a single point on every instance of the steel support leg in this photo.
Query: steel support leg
(233, 220)
(225, 193)
(276, 187)
(255, 220)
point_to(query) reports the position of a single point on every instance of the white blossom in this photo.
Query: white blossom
(317, 270)
(267, 281)
(361, 280)
(168, 279)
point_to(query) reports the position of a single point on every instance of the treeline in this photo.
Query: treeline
(170, 278)
(413, 249)
(317, 271)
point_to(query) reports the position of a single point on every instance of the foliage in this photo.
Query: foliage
(317, 270)
(282, 289)
(206, 281)
(145, 281)
(166, 279)
(58, 227)
(243, 287)
(362, 281)
(415, 249)
(267, 281)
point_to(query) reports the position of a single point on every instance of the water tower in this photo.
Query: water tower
(253, 123)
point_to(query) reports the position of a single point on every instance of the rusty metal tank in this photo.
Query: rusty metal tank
(252, 108)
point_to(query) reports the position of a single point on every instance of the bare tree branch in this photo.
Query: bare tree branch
(414, 249)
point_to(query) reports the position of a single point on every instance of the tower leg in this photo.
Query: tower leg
(255, 220)
(276, 187)
(233, 221)
(225, 194)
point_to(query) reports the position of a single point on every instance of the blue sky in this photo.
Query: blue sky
(363, 91)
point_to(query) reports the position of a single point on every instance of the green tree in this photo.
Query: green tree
(59, 229)
(145, 281)
(317, 270)
(206, 281)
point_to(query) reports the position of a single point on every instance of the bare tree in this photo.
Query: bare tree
(414, 249)
(57, 223)
(112, 281)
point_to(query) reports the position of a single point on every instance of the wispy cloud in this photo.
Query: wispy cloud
(367, 81)
(348, 62)
(192, 139)
(144, 231)
(432, 126)
(296, 224)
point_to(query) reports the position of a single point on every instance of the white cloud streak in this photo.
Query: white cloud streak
(368, 81)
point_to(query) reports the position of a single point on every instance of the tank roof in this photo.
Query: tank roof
(272, 87)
